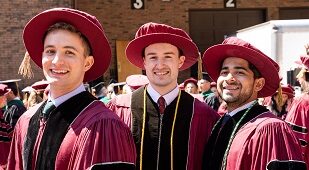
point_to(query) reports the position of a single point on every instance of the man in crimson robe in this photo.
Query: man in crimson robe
(248, 136)
(169, 126)
(297, 116)
(70, 130)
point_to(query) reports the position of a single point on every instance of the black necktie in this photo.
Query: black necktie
(49, 106)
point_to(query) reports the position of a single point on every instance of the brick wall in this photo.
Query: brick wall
(13, 17)
(119, 21)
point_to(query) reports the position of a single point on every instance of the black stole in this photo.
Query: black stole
(151, 136)
(220, 135)
(55, 130)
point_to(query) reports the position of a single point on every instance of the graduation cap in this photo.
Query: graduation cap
(27, 89)
(118, 86)
(190, 80)
(206, 76)
(12, 84)
(136, 80)
(40, 85)
(3, 89)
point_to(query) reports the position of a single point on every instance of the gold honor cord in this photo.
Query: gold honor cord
(143, 130)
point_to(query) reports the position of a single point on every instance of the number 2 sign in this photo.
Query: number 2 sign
(229, 3)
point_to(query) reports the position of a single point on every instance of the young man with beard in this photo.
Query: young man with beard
(248, 136)
(169, 126)
(298, 115)
(72, 129)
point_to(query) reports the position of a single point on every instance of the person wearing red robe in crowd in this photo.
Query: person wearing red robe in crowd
(298, 115)
(281, 108)
(6, 130)
(248, 136)
(71, 129)
(169, 126)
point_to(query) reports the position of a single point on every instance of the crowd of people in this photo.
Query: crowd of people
(237, 116)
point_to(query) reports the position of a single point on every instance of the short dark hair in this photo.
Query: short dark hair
(71, 28)
(257, 74)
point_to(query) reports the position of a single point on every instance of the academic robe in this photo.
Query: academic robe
(193, 125)
(14, 109)
(81, 133)
(298, 119)
(6, 133)
(262, 142)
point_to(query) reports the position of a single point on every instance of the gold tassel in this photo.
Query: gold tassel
(199, 67)
(25, 67)
(280, 101)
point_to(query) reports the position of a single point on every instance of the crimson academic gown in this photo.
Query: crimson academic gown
(80, 134)
(298, 118)
(6, 133)
(192, 128)
(263, 142)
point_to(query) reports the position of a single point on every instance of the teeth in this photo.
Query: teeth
(231, 88)
(161, 73)
(59, 71)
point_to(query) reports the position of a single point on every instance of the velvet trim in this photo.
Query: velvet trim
(151, 138)
(219, 138)
(55, 130)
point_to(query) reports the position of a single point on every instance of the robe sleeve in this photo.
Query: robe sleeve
(121, 106)
(107, 140)
(273, 146)
(298, 119)
(15, 160)
(6, 132)
(201, 126)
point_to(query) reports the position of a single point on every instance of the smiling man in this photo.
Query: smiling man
(72, 129)
(169, 126)
(248, 136)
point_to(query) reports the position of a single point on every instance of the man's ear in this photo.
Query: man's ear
(89, 62)
(259, 84)
(181, 60)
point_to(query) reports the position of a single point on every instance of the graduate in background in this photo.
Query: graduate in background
(6, 130)
(71, 129)
(15, 106)
(298, 115)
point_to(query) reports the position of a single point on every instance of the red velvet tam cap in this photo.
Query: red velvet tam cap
(151, 33)
(137, 80)
(235, 47)
(3, 89)
(87, 24)
(288, 90)
(213, 84)
(190, 80)
(40, 85)
(305, 61)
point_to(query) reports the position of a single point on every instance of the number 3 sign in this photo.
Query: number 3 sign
(229, 3)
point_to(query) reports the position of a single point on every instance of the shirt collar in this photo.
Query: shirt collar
(58, 101)
(232, 113)
(169, 97)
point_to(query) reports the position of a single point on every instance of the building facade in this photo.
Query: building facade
(207, 21)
